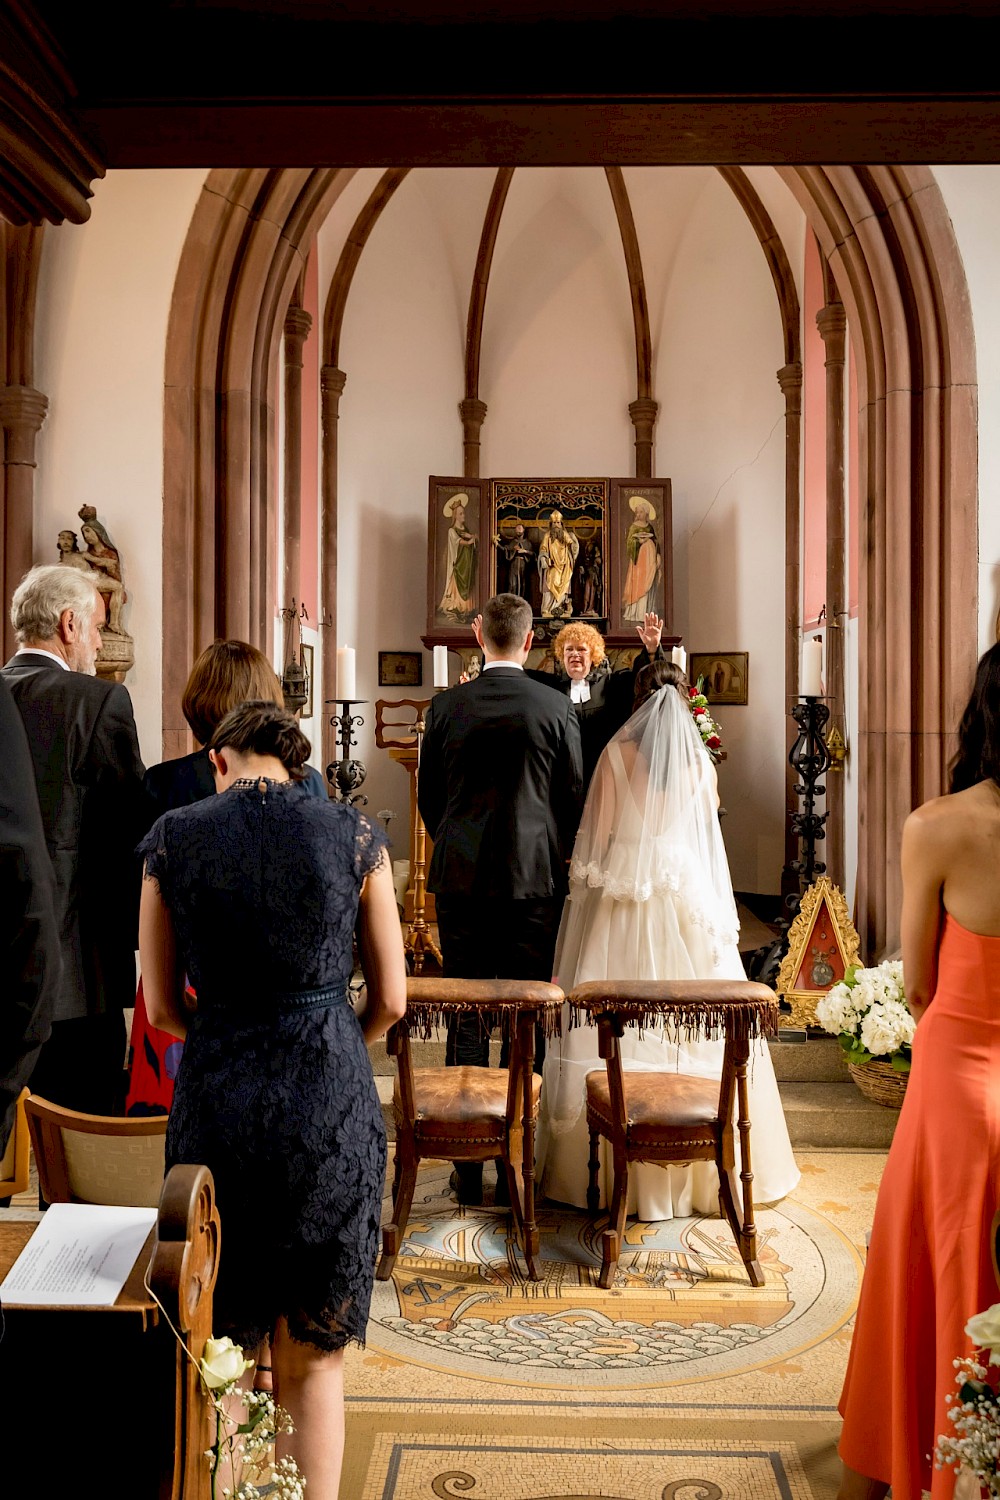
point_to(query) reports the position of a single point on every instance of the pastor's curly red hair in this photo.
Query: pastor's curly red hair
(579, 634)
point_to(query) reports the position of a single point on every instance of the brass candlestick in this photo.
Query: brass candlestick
(418, 934)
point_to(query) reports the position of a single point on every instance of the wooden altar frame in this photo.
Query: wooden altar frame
(603, 510)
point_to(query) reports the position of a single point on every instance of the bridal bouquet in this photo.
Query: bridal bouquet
(869, 1013)
(975, 1411)
(706, 725)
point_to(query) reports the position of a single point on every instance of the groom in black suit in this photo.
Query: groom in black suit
(82, 738)
(500, 791)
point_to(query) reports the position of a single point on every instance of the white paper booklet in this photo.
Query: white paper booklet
(79, 1256)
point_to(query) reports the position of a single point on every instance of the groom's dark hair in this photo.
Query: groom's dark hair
(506, 622)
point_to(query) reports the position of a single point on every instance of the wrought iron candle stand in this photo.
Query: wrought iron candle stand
(346, 775)
(810, 758)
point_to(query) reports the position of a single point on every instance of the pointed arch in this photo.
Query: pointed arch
(887, 238)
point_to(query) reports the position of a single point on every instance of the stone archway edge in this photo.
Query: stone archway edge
(889, 242)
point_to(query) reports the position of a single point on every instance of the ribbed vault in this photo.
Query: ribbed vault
(889, 243)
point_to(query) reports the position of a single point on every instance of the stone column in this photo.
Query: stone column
(22, 412)
(643, 413)
(473, 414)
(297, 325)
(790, 381)
(332, 382)
(832, 323)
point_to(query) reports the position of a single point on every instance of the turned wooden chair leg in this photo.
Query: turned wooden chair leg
(611, 1240)
(740, 1221)
(594, 1167)
(392, 1234)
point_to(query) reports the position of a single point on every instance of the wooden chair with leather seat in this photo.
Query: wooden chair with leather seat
(469, 1113)
(674, 1119)
(15, 1164)
(96, 1158)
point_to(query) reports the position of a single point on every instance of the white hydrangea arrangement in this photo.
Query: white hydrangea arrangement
(869, 1013)
(975, 1411)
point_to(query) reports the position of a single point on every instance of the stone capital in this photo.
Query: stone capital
(643, 411)
(790, 379)
(21, 406)
(297, 325)
(832, 324)
(472, 412)
(331, 383)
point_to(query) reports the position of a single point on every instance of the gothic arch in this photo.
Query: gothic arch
(888, 240)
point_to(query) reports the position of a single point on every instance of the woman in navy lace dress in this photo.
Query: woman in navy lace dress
(254, 894)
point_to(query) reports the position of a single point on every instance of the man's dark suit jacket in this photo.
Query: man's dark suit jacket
(81, 733)
(500, 787)
(190, 778)
(30, 962)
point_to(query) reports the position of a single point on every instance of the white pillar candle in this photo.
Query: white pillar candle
(811, 674)
(346, 681)
(440, 666)
(679, 657)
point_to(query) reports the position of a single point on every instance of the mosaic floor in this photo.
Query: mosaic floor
(679, 1381)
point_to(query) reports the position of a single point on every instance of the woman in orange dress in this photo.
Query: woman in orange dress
(929, 1267)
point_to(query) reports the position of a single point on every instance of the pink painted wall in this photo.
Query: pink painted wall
(813, 440)
(309, 555)
(853, 486)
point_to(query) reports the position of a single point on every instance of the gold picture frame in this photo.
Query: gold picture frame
(822, 945)
(726, 674)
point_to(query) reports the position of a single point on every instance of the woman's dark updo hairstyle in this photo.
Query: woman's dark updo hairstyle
(656, 675)
(264, 729)
(978, 755)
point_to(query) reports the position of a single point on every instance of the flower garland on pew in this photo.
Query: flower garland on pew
(244, 1448)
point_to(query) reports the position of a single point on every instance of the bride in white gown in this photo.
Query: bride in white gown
(651, 898)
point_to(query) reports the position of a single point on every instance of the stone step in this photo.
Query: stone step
(819, 1116)
(835, 1115)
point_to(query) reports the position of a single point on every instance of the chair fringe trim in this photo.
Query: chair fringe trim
(689, 1020)
(423, 1019)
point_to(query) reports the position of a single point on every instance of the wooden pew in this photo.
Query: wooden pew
(107, 1395)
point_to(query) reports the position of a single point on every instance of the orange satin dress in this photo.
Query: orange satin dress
(929, 1265)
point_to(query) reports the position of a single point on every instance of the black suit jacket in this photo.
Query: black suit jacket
(81, 733)
(500, 787)
(190, 778)
(30, 962)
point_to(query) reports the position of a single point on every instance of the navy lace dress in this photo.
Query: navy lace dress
(275, 1090)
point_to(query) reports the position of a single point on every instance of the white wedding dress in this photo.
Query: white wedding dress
(651, 898)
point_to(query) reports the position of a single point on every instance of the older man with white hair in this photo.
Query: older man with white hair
(82, 737)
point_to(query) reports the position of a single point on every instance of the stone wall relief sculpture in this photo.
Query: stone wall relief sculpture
(100, 558)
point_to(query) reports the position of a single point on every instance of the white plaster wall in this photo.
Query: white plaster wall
(721, 440)
(403, 353)
(103, 303)
(558, 369)
(972, 196)
(558, 372)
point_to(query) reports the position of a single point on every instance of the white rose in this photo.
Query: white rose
(222, 1363)
(984, 1331)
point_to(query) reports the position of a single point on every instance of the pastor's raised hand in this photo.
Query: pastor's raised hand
(649, 631)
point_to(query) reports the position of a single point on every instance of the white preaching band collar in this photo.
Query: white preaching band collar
(501, 663)
(579, 692)
(40, 651)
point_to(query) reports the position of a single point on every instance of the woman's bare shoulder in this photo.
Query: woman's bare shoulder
(944, 818)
